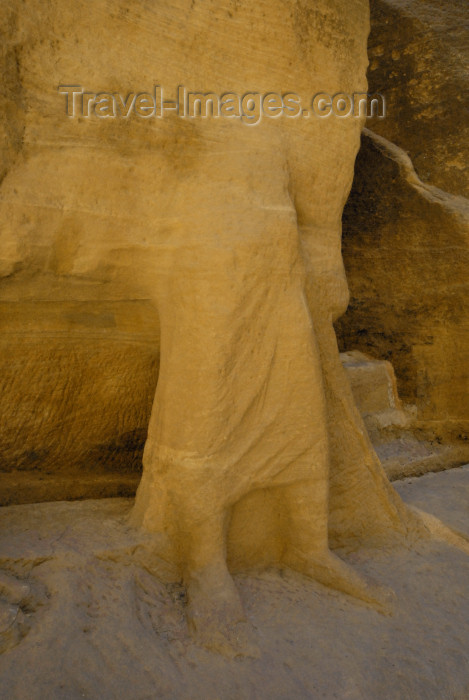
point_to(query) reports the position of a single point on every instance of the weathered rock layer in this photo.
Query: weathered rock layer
(406, 225)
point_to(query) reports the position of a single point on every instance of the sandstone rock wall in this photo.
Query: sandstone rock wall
(406, 251)
(406, 225)
(79, 347)
(94, 212)
(419, 59)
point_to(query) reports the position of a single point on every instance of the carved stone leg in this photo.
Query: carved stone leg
(308, 552)
(214, 613)
(190, 526)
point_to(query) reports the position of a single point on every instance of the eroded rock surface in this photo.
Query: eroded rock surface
(406, 226)
(95, 212)
(419, 59)
(393, 426)
(406, 249)
(229, 238)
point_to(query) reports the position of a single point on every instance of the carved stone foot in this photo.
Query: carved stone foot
(8, 615)
(328, 569)
(12, 589)
(215, 614)
(13, 624)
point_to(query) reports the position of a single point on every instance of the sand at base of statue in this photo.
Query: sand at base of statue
(97, 624)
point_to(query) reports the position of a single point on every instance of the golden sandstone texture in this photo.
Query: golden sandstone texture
(406, 224)
(113, 227)
(82, 198)
(201, 257)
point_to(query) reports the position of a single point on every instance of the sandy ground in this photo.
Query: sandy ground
(98, 625)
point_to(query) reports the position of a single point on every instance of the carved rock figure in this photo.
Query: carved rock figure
(255, 454)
